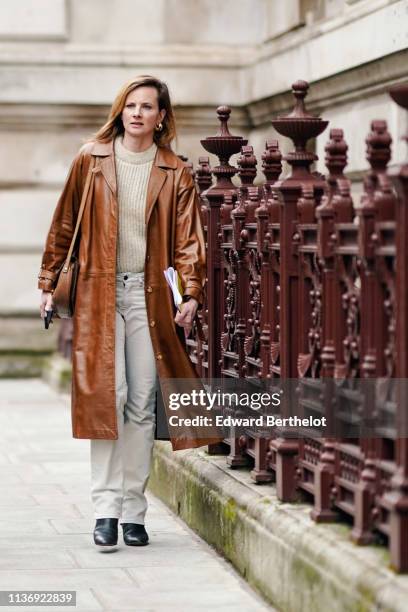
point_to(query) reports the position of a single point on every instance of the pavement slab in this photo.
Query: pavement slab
(46, 524)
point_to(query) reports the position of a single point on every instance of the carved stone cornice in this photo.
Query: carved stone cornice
(369, 79)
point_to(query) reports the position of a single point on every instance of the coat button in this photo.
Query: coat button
(152, 323)
(149, 289)
(159, 356)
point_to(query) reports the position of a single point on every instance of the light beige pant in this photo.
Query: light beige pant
(120, 468)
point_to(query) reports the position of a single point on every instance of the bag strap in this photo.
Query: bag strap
(80, 213)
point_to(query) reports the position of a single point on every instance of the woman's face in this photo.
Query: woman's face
(141, 112)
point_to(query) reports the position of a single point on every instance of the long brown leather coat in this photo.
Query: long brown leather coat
(174, 237)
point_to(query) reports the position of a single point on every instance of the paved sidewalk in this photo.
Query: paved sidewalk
(46, 525)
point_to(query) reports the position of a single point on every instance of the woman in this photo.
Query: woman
(141, 216)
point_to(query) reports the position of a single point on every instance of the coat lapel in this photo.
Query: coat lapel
(156, 181)
(165, 158)
(107, 167)
(105, 151)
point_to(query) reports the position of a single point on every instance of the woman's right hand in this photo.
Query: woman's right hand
(46, 302)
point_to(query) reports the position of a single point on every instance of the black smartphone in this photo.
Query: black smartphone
(48, 318)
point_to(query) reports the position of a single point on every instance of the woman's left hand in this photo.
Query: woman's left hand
(185, 318)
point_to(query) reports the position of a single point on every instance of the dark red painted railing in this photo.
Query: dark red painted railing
(305, 283)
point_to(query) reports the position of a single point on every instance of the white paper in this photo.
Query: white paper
(171, 276)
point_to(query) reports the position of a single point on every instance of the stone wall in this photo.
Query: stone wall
(62, 62)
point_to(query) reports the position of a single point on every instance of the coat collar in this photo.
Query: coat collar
(164, 158)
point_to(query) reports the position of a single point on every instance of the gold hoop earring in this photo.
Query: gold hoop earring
(159, 127)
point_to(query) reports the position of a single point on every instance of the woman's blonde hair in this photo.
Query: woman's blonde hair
(114, 125)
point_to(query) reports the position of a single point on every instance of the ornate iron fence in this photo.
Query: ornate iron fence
(303, 283)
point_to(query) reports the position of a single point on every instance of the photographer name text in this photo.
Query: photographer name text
(259, 421)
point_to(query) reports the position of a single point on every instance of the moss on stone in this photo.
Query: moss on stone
(230, 510)
(24, 352)
(21, 364)
(265, 560)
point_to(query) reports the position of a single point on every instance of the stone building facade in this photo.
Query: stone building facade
(62, 61)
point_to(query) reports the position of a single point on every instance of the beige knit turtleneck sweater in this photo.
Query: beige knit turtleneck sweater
(132, 175)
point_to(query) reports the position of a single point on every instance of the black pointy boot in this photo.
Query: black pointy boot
(106, 533)
(134, 534)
